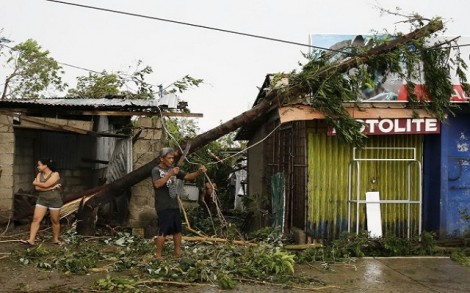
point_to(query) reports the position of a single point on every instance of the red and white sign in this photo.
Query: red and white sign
(397, 126)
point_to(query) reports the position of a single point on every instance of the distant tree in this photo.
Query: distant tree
(181, 130)
(131, 86)
(3, 40)
(183, 84)
(96, 85)
(32, 72)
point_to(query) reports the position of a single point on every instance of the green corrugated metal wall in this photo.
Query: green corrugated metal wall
(328, 161)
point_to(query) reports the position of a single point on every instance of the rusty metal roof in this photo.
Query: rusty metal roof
(87, 103)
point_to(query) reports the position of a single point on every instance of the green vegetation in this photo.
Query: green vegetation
(329, 80)
(131, 267)
(352, 245)
(461, 258)
(31, 71)
(222, 264)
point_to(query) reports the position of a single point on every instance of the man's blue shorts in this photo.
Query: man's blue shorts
(169, 222)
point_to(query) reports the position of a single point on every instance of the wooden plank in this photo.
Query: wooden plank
(56, 126)
(304, 112)
(48, 125)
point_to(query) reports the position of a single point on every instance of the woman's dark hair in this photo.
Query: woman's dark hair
(49, 162)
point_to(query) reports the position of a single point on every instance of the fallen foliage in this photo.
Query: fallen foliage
(224, 264)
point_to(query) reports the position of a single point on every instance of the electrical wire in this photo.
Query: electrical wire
(247, 148)
(199, 26)
(79, 67)
(214, 28)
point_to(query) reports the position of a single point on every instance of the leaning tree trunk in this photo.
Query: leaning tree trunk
(105, 193)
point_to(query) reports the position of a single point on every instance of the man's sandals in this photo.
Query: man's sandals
(27, 243)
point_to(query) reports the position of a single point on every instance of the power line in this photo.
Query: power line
(198, 26)
(79, 67)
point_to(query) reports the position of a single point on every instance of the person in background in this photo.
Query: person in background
(164, 177)
(208, 195)
(47, 183)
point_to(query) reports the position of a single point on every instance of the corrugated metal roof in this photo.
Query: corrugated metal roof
(170, 101)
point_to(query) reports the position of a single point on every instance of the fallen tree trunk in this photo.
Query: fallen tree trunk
(271, 101)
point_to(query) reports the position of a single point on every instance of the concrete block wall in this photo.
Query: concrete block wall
(141, 206)
(7, 141)
(76, 180)
(25, 164)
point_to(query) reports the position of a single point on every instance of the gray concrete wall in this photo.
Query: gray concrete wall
(141, 206)
(7, 141)
(256, 164)
(257, 180)
(25, 164)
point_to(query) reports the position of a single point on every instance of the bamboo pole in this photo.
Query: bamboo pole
(302, 246)
(213, 239)
(186, 219)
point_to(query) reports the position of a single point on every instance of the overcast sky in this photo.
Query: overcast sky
(232, 66)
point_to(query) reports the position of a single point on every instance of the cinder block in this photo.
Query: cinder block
(142, 146)
(7, 170)
(6, 119)
(143, 159)
(6, 192)
(144, 122)
(151, 134)
(7, 147)
(6, 159)
(158, 123)
(7, 137)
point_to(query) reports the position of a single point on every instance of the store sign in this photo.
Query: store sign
(397, 126)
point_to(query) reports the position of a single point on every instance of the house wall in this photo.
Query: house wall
(7, 140)
(66, 149)
(257, 178)
(142, 203)
(256, 167)
(25, 165)
(432, 171)
(453, 196)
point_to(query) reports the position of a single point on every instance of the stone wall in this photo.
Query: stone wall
(141, 206)
(7, 142)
